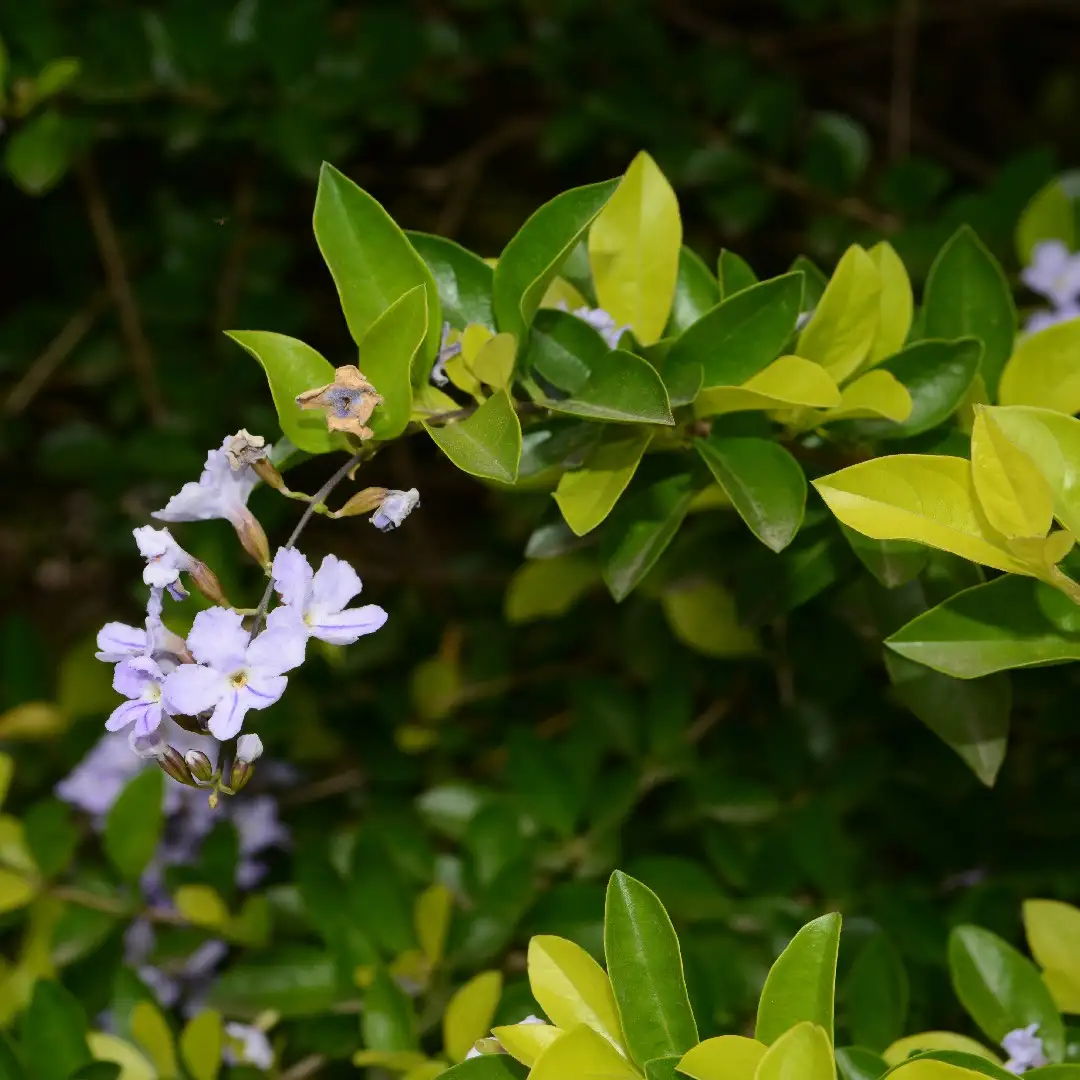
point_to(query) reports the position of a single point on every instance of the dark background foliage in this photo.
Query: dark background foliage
(168, 197)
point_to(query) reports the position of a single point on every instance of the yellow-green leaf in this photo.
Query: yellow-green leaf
(426, 1070)
(582, 1053)
(727, 1057)
(877, 393)
(133, 1066)
(7, 771)
(493, 363)
(150, 1031)
(387, 357)
(925, 1069)
(935, 1040)
(1064, 989)
(842, 329)
(15, 890)
(545, 588)
(897, 302)
(1044, 370)
(1011, 490)
(560, 293)
(201, 1045)
(395, 1060)
(634, 250)
(702, 615)
(789, 381)
(587, 495)
(486, 444)
(572, 988)
(32, 720)
(1053, 936)
(201, 905)
(469, 1013)
(526, 1042)
(803, 1052)
(922, 497)
(432, 917)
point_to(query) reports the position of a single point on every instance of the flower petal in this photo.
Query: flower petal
(193, 502)
(261, 689)
(129, 680)
(335, 584)
(125, 714)
(117, 640)
(277, 650)
(149, 721)
(218, 638)
(345, 627)
(191, 689)
(292, 577)
(287, 618)
(228, 717)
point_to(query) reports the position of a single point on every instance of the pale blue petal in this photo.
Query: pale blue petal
(292, 577)
(218, 638)
(335, 584)
(345, 627)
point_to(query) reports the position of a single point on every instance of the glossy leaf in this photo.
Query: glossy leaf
(201, 905)
(1050, 215)
(587, 495)
(922, 497)
(1053, 936)
(493, 364)
(742, 335)
(877, 393)
(54, 1033)
(641, 531)
(787, 382)
(696, 292)
(487, 443)
(291, 368)
(547, 588)
(533, 257)
(1014, 496)
(803, 1051)
(645, 967)
(526, 1042)
(294, 981)
(39, 153)
(1044, 370)
(572, 988)
(372, 263)
(897, 302)
(388, 354)
(434, 909)
(972, 1062)
(967, 295)
(463, 280)
(1001, 989)
(765, 483)
(801, 984)
(134, 823)
(929, 1069)
(892, 562)
(201, 1045)
(563, 350)
(734, 274)
(634, 246)
(150, 1030)
(581, 1052)
(904, 1048)
(388, 1023)
(858, 1063)
(703, 616)
(844, 326)
(662, 1068)
(492, 1067)
(469, 1013)
(876, 995)
(726, 1057)
(621, 387)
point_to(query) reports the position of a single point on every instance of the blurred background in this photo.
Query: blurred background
(160, 162)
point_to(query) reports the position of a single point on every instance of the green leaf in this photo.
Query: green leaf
(291, 368)
(544, 588)
(765, 483)
(646, 971)
(150, 1031)
(814, 281)
(734, 274)
(99, 1070)
(57, 75)
(800, 985)
(489, 1067)
(388, 1023)
(892, 562)
(967, 295)
(563, 349)
(804, 1051)
(54, 1033)
(858, 1063)
(1003, 624)
(934, 1042)
(293, 981)
(1001, 989)
(1044, 370)
(726, 1057)
(200, 1045)
(487, 443)
(662, 1068)
(1051, 215)
(469, 1013)
(51, 835)
(16, 890)
(533, 257)
(696, 292)
(135, 822)
(10, 1066)
(464, 280)
(641, 531)
(388, 352)
(845, 322)
(587, 495)
(581, 1052)
(1053, 935)
(742, 335)
(876, 995)
(372, 263)
(38, 154)
(897, 302)
(970, 1063)
(634, 246)
(702, 615)
(971, 716)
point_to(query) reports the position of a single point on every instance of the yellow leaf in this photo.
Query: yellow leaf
(494, 363)
(1044, 370)
(921, 497)
(473, 338)
(429, 400)
(461, 376)
(544, 588)
(877, 393)
(426, 1071)
(801, 1053)
(1053, 936)
(151, 1032)
(526, 1042)
(14, 854)
(133, 1066)
(976, 395)
(394, 1060)
(560, 293)
(842, 329)
(897, 302)
(582, 1053)
(587, 495)
(572, 988)
(935, 1040)
(469, 1013)
(791, 380)
(7, 771)
(1056, 546)
(634, 248)
(201, 905)
(702, 615)
(201, 1045)
(432, 918)
(931, 1070)
(1013, 493)
(713, 497)
(728, 1057)
(15, 890)
(32, 720)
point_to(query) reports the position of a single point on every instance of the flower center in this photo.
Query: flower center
(238, 680)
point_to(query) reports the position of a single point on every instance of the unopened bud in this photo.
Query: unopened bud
(205, 580)
(249, 748)
(363, 502)
(172, 764)
(267, 472)
(242, 772)
(395, 508)
(245, 449)
(200, 765)
(253, 538)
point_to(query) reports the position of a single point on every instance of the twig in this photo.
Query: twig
(55, 353)
(85, 898)
(119, 283)
(305, 1067)
(903, 69)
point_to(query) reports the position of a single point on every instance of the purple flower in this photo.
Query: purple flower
(249, 748)
(220, 492)
(601, 321)
(394, 509)
(1054, 273)
(1046, 317)
(447, 351)
(233, 674)
(1025, 1049)
(117, 641)
(314, 604)
(247, 1045)
(139, 679)
(165, 559)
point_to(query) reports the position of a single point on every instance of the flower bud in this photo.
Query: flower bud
(242, 772)
(200, 765)
(172, 764)
(253, 538)
(267, 472)
(362, 502)
(205, 580)
(395, 508)
(249, 748)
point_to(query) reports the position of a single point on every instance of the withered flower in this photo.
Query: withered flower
(349, 401)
